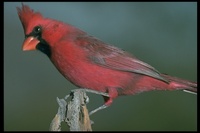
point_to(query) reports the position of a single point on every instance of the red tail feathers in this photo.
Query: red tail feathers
(181, 84)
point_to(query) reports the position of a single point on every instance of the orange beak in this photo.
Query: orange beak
(30, 43)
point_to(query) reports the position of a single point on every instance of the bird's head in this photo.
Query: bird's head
(40, 33)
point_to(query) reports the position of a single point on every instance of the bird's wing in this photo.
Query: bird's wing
(114, 58)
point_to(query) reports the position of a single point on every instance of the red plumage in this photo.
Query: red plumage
(90, 63)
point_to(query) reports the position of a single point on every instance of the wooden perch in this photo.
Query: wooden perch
(74, 112)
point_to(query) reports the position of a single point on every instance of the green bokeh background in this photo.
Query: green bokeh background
(161, 34)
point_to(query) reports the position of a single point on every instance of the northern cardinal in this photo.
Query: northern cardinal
(88, 62)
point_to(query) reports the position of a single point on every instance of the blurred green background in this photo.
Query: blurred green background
(161, 34)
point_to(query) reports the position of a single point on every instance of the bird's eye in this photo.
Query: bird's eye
(37, 30)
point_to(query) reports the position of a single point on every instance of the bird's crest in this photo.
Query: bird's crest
(27, 15)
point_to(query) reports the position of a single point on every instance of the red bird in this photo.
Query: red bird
(88, 62)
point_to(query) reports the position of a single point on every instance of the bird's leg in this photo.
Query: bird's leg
(108, 97)
(108, 102)
(97, 109)
(105, 95)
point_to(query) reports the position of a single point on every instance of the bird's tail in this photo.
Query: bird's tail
(181, 84)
